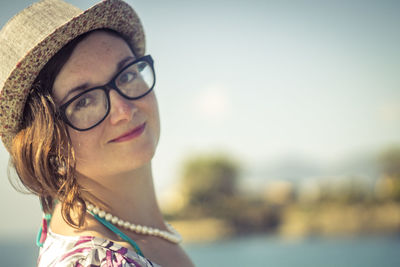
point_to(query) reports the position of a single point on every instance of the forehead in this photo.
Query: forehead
(99, 44)
(93, 61)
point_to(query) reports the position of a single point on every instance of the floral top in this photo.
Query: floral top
(85, 251)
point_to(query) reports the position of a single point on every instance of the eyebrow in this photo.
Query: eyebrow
(85, 86)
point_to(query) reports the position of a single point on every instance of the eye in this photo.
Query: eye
(127, 77)
(83, 103)
(141, 66)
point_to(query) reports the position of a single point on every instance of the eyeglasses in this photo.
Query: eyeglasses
(89, 108)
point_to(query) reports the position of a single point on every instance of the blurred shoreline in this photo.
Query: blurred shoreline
(209, 204)
(298, 222)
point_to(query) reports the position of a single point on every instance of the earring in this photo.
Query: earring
(62, 169)
(58, 165)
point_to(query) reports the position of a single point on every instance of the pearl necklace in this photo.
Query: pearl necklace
(171, 235)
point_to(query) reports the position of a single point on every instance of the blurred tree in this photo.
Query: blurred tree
(348, 190)
(390, 161)
(208, 181)
(388, 186)
(210, 187)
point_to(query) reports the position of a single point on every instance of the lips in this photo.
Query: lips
(130, 134)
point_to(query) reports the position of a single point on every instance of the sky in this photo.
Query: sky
(260, 80)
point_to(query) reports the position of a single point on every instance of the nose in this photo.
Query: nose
(120, 108)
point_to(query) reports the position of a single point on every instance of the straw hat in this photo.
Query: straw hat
(33, 36)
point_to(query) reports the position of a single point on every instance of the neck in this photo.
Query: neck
(129, 195)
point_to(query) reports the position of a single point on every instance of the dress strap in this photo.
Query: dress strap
(42, 234)
(118, 232)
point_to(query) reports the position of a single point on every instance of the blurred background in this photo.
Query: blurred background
(280, 139)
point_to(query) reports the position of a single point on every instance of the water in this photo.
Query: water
(375, 251)
(18, 253)
(372, 251)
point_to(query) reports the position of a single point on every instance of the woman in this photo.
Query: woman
(80, 119)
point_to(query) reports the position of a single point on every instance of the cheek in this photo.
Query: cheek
(83, 143)
(154, 113)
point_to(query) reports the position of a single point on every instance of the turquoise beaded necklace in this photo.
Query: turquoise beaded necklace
(118, 232)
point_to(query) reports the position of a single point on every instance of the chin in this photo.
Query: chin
(115, 164)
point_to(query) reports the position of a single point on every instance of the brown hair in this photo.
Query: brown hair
(42, 153)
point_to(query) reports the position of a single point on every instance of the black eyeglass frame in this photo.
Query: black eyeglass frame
(111, 85)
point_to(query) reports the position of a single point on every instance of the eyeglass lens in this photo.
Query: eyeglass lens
(92, 106)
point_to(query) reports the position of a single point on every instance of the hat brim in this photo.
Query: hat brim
(115, 15)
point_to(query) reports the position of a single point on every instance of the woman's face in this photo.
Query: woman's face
(108, 148)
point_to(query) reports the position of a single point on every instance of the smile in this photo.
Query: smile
(131, 134)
